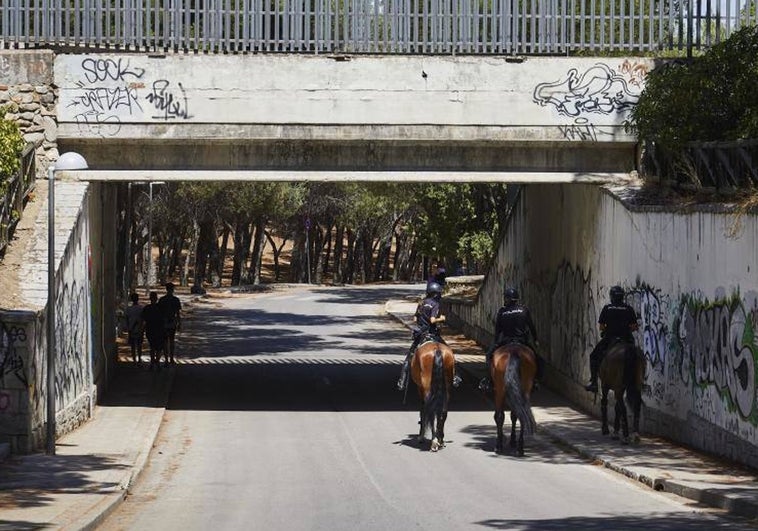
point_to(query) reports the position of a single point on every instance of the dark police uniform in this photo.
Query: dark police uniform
(618, 321)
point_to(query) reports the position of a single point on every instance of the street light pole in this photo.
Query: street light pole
(67, 161)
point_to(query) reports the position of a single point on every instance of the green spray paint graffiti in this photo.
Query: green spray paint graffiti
(719, 338)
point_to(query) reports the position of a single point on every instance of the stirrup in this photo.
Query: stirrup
(401, 384)
(485, 386)
(457, 380)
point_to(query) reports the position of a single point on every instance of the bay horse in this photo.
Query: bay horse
(432, 370)
(513, 369)
(623, 372)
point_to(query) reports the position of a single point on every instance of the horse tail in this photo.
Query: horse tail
(438, 390)
(517, 400)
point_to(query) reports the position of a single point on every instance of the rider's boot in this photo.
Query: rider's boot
(592, 385)
(402, 382)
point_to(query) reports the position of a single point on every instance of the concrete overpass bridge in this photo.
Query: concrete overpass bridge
(338, 115)
(157, 115)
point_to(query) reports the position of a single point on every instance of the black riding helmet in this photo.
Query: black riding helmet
(434, 288)
(511, 294)
(617, 294)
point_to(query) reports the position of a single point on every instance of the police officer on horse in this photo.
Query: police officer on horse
(513, 324)
(617, 321)
(427, 316)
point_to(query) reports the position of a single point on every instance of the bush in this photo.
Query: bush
(711, 97)
(11, 144)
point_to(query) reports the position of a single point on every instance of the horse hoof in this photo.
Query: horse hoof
(521, 452)
(624, 440)
(615, 436)
(435, 445)
(635, 438)
(606, 431)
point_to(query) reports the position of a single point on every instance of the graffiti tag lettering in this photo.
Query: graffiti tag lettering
(166, 101)
(98, 70)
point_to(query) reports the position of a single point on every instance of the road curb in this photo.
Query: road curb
(733, 503)
(96, 514)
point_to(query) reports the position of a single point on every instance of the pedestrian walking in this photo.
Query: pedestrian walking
(134, 326)
(171, 307)
(152, 318)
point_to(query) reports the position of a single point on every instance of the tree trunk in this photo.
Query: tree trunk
(338, 244)
(350, 257)
(191, 254)
(259, 243)
(222, 254)
(241, 244)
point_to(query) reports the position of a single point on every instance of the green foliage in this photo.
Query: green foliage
(11, 144)
(709, 98)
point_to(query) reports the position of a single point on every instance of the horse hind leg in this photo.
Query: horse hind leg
(440, 438)
(499, 420)
(513, 430)
(604, 412)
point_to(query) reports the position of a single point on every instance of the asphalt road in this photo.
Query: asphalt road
(284, 416)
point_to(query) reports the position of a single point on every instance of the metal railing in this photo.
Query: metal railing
(17, 189)
(374, 26)
(723, 165)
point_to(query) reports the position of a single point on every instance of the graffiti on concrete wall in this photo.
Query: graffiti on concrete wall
(110, 89)
(598, 90)
(721, 343)
(13, 373)
(573, 324)
(11, 361)
(652, 308)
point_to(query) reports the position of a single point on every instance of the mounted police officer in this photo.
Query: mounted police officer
(513, 324)
(617, 321)
(427, 316)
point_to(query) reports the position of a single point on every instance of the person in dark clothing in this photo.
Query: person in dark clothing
(171, 307)
(513, 324)
(427, 316)
(617, 321)
(155, 329)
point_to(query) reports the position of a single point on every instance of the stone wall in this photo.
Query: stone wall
(690, 275)
(26, 87)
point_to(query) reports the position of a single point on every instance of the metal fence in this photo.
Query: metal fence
(15, 192)
(374, 26)
(722, 165)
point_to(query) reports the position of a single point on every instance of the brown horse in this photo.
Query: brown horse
(513, 369)
(622, 371)
(432, 370)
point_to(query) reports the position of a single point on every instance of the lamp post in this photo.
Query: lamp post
(67, 161)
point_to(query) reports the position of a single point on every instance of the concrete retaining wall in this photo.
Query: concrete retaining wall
(691, 275)
(85, 320)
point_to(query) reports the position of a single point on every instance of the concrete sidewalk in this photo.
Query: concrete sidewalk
(94, 465)
(658, 463)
